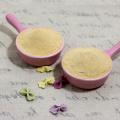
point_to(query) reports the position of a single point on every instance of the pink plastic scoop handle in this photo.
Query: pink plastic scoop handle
(114, 50)
(15, 23)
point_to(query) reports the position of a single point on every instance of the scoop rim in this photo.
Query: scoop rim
(33, 56)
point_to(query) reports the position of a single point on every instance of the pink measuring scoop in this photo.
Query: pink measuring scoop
(92, 83)
(30, 59)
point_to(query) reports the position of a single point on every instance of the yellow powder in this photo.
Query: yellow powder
(87, 63)
(40, 41)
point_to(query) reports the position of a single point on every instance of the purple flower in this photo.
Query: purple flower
(59, 83)
(55, 109)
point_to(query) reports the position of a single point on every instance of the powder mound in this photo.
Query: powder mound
(87, 63)
(40, 41)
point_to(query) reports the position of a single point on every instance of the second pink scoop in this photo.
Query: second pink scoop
(92, 83)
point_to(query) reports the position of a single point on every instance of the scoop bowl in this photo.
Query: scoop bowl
(31, 59)
(92, 83)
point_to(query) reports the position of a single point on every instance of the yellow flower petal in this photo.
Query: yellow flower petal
(48, 68)
(40, 69)
(50, 80)
(42, 84)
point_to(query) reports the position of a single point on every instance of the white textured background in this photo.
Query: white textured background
(94, 23)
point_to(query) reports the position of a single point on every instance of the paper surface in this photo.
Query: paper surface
(94, 23)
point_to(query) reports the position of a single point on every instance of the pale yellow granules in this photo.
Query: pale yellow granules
(40, 41)
(87, 63)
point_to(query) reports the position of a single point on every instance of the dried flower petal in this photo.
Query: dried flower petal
(44, 68)
(43, 83)
(59, 83)
(55, 109)
(26, 92)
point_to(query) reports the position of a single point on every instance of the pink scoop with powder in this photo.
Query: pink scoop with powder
(92, 83)
(31, 59)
